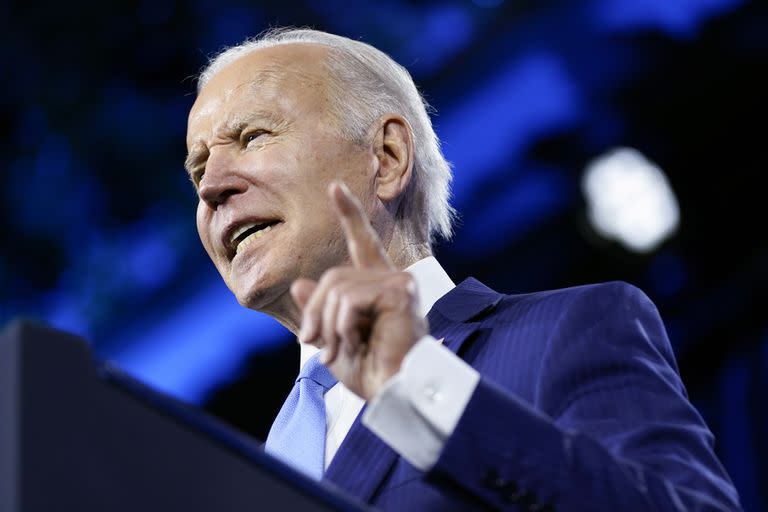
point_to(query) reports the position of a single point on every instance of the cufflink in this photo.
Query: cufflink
(432, 392)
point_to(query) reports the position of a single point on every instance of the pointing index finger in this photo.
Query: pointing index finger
(363, 243)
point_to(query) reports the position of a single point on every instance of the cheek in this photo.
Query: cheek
(203, 224)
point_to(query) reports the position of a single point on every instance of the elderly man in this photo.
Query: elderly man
(321, 186)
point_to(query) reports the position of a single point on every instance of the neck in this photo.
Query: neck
(404, 251)
(401, 247)
(285, 311)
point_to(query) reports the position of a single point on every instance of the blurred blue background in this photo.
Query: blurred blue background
(98, 214)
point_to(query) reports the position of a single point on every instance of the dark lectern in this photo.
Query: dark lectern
(80, 436)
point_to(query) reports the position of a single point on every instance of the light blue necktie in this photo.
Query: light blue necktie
(297, 436)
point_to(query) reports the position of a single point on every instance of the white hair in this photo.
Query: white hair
(366, 84)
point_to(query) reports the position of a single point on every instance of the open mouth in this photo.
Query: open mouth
(246, 234)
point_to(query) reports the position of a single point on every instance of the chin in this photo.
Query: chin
(260, 294)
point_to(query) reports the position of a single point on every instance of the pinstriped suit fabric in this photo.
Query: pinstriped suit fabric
(580, 407)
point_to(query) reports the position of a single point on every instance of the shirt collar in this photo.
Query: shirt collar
(432, 282)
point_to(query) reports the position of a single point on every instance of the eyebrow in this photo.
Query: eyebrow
(239, 122)
(195, 157)
(233, 127)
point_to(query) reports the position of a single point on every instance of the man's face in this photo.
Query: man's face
(263, 148)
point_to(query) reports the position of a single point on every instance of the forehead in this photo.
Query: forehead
(275, 77)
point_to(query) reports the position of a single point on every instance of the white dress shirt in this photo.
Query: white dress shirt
(419, 406)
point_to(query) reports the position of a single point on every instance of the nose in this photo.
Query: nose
(220, 181)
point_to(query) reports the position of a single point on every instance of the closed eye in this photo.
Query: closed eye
(195, 164)
(197, 176)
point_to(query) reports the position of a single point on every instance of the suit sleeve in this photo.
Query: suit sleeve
(609, 427)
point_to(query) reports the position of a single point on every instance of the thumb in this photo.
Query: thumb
(301, 290)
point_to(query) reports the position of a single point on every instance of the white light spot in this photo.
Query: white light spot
(629, 199)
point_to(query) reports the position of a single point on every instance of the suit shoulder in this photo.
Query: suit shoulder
(590, 296)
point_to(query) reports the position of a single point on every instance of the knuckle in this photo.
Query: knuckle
(346, 306)
(334, 294)
(333, 275)
(405, 282)
(344, 293)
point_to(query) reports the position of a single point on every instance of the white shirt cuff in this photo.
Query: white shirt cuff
(419, 407)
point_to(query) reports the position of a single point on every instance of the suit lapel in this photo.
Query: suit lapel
(363, 461)
(455, 316)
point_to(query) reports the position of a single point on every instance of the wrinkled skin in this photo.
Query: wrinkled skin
(264, 147)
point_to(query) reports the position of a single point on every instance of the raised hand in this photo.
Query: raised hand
(366, 315)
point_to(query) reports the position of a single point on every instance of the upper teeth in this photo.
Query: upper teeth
(239, 231)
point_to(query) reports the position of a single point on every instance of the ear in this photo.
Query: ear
(393, 145)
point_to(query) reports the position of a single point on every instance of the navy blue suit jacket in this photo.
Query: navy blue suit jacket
(580, 407)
